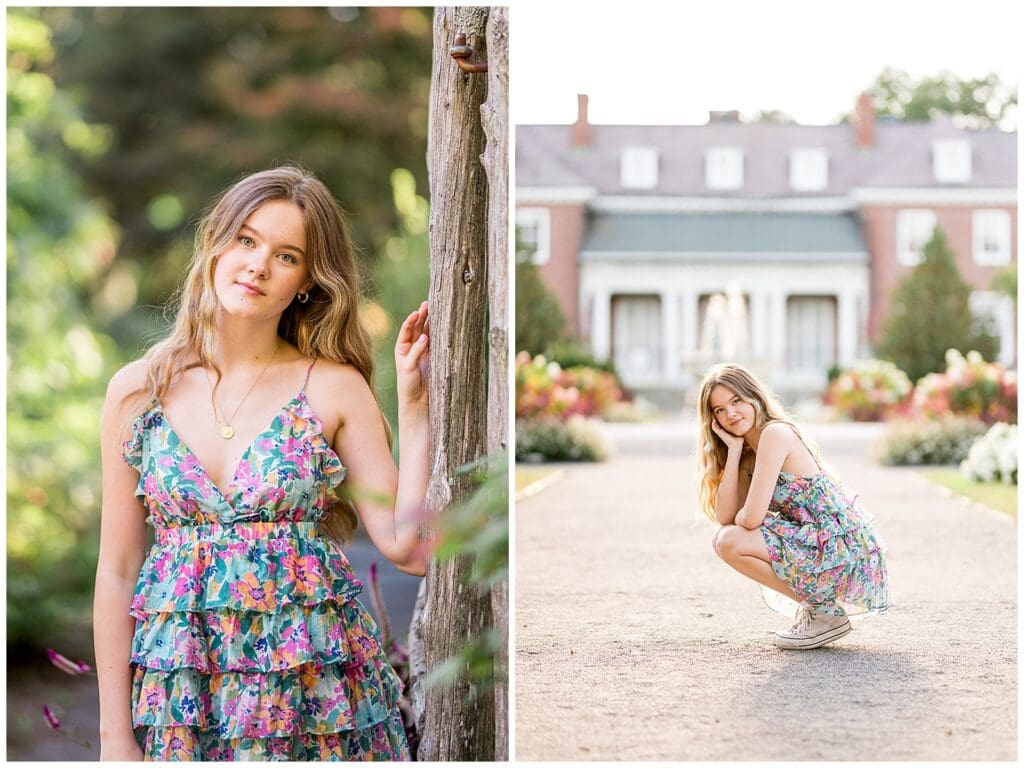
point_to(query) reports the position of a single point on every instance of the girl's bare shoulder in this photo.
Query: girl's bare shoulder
(128, 379)
(340, 384)
(779, 433)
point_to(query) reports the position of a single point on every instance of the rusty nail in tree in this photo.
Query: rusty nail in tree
(462, 53)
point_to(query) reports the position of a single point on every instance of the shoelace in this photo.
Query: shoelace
(804, 616)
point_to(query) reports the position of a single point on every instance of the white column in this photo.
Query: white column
(670, 372)
(689, 324)
(777, 342)
(758, 324)
(601, 325)
(847, 327)
(863, 312)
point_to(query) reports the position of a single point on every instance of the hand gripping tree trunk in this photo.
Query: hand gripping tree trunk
(456, 722)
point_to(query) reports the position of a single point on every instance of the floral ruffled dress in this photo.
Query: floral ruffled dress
(823, 545)
(249, 642)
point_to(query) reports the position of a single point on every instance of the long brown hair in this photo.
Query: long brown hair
(327, 325)
(711, 449)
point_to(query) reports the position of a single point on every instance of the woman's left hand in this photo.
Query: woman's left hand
(412, 359)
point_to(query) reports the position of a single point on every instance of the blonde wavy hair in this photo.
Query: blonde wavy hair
(327, 325)
(711, 449)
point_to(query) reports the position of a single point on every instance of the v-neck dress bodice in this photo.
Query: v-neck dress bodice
(288, 473)
(250, 642)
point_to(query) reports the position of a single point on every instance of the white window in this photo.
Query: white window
(808, 169)
(995, 312)
(810, 333)
(951, 160)
(723, 168)
(533, 234)
(638, 168)
(990, 232)
(914, 229)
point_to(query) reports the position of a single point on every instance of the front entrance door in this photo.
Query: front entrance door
(636, 338)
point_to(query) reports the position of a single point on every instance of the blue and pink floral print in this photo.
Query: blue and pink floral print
(249, 642)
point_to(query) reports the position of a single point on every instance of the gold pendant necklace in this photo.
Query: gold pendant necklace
(226, 430)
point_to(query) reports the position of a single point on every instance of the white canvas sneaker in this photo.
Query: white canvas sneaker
(812, 630)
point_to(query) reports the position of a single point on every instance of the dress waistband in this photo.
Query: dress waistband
(184, 534)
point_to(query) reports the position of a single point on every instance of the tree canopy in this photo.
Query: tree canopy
(930, 314)
(977, 102)
(193, 98)
(60, 245)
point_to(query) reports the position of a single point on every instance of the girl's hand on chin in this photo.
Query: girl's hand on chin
(412, 359)
(731, 441)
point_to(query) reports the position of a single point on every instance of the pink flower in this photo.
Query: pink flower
(64, 664)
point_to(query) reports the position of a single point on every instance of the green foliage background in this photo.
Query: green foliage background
(978, 102)
(122, 124)
(539, 318)
(931, 313)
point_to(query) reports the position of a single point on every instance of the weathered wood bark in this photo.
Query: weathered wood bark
(495, 160)
(453, 724)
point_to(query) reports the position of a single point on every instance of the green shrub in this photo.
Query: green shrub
(573, 354)
(539, 317)
(549, 439)
(930, 313)
(945, 440)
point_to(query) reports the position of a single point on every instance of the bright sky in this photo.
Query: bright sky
(670, 62)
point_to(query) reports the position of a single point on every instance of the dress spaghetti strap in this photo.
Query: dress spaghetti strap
(308, 371)
(805, 445)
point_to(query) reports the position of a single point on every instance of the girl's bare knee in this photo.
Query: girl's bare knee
(725, 541)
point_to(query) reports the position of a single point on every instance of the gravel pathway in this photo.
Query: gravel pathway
(633, 641)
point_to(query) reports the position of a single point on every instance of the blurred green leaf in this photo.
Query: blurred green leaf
(60, 245)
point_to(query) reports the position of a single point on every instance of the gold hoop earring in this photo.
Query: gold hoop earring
(302, 297)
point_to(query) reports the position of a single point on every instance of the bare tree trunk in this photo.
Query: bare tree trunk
(457, 723)
(495, 159)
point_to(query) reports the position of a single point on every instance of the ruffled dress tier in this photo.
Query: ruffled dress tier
(250, 642)
(823, 545)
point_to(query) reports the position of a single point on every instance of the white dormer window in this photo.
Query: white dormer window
(533, 234)
(914, 228)
(951, 160)
(638, 168)
(808, 170)
(723, 168)
(991, 237)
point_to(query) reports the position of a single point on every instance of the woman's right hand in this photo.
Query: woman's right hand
(732, 442)
(412, 360)
(120, 750)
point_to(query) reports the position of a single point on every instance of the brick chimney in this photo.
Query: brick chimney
(864, 121)
(582, 132)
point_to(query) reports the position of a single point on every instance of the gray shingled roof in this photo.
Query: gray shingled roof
(901, 157)
(779, 233)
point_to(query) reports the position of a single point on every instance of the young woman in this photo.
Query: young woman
(786, 522)
(239, 635)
